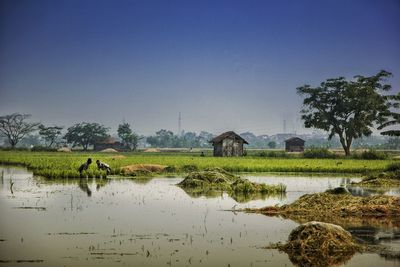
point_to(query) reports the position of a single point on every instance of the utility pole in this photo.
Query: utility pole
(284, 126)
(179, 124)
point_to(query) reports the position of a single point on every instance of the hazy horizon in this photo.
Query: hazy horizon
(225, 65)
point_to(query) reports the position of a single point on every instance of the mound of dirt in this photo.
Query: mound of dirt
(109, 150)
(331, 203)
(64, 149)
(319, 244)
(142, 169)
(152, 150)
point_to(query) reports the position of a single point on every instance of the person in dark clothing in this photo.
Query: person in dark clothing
(85, 166)
(103, 166)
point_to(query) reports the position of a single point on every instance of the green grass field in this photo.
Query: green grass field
(64, 165)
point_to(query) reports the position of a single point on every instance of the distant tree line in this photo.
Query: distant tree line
(348, 110)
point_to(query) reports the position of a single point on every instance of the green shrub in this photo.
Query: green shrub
(43, 149)
(318, 153)
(190, 168)
(273, 154)
(393, 167)
(370, 155)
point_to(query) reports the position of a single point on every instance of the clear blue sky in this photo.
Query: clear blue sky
(226, 65)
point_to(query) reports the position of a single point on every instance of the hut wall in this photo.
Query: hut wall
(232, 148)
(218, 150)
(294, 146)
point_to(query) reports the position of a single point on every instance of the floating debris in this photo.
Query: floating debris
(71, 233)
(32, 208)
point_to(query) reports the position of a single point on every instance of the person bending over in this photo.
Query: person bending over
(103, 166)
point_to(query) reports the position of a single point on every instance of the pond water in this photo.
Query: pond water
(153, 223)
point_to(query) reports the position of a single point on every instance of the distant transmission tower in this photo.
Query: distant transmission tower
(284, 126)
(179, 124)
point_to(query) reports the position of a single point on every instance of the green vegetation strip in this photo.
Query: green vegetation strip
(64, 165)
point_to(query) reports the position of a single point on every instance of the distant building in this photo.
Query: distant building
(109, 142)
(228, 144)
(294, 144)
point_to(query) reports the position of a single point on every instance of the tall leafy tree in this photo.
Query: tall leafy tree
(394, 117)
(128, 137)
(50, 133)
(348, 109)
(15, 127)
(85, 134)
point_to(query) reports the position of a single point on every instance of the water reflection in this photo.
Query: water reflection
(240, 198)
(150, 222)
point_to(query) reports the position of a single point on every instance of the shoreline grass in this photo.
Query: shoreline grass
(65, 165)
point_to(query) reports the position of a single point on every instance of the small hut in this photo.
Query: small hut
(294, 144)
(109, 142)
(228, 144)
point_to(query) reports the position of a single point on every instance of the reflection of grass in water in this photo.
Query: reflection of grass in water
(346, 222)
(238, 197)
(242, 198)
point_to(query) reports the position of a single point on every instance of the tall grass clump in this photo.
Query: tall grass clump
(370, 154)
(318, 153)
(393, 167)
(273, 154)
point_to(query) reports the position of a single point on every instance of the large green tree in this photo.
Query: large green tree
(50, 133)
(128, 137)
(346, 108)
(15, 127)
(85, 134)
(394, 117)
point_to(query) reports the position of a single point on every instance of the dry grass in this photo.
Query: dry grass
(343, 204)
(109, 150)
(135, 169)
(319, 244)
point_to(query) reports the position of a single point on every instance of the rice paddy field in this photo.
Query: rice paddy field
(64, 165)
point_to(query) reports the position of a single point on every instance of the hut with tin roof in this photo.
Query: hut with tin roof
(228, 144)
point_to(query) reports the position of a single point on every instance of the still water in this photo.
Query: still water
(152, 222)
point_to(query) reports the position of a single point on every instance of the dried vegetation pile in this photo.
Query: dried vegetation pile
(319, 244)
(337, 202)
(219, 179)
